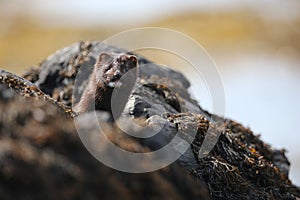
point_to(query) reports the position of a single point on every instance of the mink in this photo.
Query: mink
(108, 70)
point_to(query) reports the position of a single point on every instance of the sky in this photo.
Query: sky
(122, 13)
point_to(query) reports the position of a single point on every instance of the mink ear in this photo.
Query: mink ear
(105, 58)
(133, 61)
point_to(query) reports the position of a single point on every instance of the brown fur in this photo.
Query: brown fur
(109, 68)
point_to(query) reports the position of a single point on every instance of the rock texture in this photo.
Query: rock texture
(42, 156)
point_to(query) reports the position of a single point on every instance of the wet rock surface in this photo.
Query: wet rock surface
(41, 154)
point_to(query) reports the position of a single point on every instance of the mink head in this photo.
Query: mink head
(111, 67)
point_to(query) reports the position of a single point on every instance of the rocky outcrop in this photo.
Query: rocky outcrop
(42, 155)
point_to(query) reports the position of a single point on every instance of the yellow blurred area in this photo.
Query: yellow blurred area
(231, 29)
(25, 42)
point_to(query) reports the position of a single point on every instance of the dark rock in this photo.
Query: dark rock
(41, 157)
(239, 166)
(58, 71)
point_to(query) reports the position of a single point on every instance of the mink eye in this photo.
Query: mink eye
(107, 68)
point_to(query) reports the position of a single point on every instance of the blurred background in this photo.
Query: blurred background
(255, 45)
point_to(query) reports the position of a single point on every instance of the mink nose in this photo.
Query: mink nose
(117, 76)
